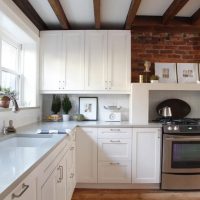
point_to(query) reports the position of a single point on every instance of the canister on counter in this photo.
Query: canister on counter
(141, 78)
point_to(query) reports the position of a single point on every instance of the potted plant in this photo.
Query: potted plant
(55, 107)
(154, 79)
(4, 97)
(66, 106)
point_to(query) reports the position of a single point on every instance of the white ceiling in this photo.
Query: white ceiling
(80, 13)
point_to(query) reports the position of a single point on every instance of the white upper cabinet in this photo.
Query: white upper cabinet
(119, 60)
(88, 60)
(51, 60)
(95, 60)
(74, 59)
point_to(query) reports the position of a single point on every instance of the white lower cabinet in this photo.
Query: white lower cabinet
(25, 190)
(52, 183)
(86, 155)
(71, 176)
(146, 155)
(114, 172)
(114, 155)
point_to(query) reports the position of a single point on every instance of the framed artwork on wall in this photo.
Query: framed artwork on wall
(88, 106)
(166, 72)
(187, 72)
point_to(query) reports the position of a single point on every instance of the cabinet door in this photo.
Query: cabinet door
(71, 176)
(47, 190)
(61, 179)
(51, 57)
(146, 155)
(119, 60)
(86, 155)
(114, 172)
(74, 59)
(114, 149)
(25, 190)
(96, 60)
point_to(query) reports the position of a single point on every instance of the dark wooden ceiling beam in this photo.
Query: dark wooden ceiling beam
(154, 24)
(173, 9)
(196, 17)
(30, 12)
(132, 13)
(59, 12)
(97, 16)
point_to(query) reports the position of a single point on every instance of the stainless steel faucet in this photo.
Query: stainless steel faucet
(15, 107)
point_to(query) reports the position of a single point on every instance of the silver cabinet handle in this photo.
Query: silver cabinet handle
(110, 85)
(115, 141)
(72, 175)
(72, 148)
(24, 188)
(115, 129)
(106, 85)
(112, 163)
(61, 174)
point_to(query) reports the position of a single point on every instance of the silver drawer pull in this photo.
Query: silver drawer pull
(24, 188)
(112, 163)
(115, 141)
(72, 148)
(72, 175)
(115, 129)
(61, 174)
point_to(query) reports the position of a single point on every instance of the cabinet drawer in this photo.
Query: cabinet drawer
(114, 149)
(25, 190)
(114, 172)
(114, 133)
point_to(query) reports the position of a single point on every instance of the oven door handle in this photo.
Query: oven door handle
(182, 138)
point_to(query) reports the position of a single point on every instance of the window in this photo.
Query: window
(10, 65)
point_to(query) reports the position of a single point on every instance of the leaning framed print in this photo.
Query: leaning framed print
(166, 72)
(88, 106)
(187, 72)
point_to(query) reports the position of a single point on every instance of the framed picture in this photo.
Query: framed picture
(166, 72)
(187, 72)
(88, 106)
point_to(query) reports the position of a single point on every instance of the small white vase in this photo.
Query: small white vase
(65, 117)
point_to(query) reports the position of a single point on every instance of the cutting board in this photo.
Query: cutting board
(180, 108)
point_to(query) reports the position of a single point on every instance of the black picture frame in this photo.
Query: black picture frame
(88, 106)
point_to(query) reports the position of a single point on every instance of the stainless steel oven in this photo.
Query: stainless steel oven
(181, 158)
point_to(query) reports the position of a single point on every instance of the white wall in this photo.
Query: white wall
(23, 117)
(16, 25)
(103, 99)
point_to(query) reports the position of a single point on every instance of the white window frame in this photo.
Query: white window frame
(18, 72)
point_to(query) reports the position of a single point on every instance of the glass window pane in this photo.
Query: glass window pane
(9, 56)
(9, 81)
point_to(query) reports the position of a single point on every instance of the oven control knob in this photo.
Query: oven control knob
(169, 128)
(176, 128)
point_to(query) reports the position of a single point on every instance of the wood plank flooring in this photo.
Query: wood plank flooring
(99, 194)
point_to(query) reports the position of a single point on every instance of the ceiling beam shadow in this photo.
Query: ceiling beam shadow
(196, 17)
(59, 12)
(97, 16)
(132, 13)
(30, 12)
(173, 9)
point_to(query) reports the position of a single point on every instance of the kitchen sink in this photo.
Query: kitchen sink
(25, 141)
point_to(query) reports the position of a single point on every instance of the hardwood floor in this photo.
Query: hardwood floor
(99, 194)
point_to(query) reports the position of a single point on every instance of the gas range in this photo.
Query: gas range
(182, 126)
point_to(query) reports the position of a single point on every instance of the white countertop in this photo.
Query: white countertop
(17, 162)
(72, 124)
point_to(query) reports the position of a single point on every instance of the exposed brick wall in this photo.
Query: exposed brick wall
(163, 47)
